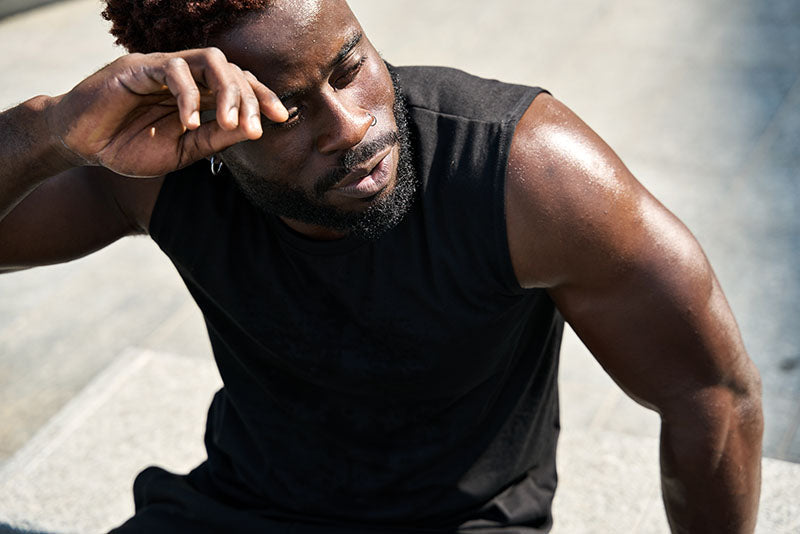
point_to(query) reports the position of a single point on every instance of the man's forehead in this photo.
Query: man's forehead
(303, 13)
(289, 35)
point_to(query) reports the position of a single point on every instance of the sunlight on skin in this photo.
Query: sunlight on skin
(304, 12)
(604, 193)
(575, 151)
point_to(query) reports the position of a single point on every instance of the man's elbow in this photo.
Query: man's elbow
(749, 415)
(717, 420)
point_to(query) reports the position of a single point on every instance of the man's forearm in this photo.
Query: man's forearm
(28, 152)
(711, 463)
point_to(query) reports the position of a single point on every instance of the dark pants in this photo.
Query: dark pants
(173, 504)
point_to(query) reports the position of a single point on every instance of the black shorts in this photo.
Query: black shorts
(173, 504)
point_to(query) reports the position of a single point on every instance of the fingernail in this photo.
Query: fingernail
(233, 115)
(194, 119)
(255, 123)
(281, 109)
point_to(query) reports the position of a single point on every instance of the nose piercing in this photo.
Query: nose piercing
(374, 119)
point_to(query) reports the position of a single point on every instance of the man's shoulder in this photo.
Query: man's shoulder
(455, 93)
(572, 206)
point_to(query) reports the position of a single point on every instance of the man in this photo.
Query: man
(379, 265)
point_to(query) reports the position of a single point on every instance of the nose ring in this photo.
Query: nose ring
(374, 119)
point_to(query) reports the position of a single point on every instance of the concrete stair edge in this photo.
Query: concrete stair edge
(608, 480)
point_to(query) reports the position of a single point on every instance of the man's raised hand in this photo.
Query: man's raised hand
(140, 115)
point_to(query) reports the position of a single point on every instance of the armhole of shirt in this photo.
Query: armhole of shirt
(157, 218)
(508, 129)
(172, 224)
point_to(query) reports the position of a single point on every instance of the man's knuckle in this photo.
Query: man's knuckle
(128, 60)
(213, 53)
(191, 92)
(250, 99)
(233, 89)
(175, 64)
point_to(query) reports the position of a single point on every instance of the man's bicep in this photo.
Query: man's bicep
(658, 323)
(636, 287)
(629, 276)
(73, 214)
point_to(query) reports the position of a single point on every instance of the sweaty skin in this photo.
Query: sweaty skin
(638, 290)
(627, 275)
(334, 87)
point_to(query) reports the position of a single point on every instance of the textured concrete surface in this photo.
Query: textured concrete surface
(608, 461)
(76, 475)
(148, 408)
(701, 99)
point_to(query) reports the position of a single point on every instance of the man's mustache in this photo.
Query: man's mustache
(352, 159)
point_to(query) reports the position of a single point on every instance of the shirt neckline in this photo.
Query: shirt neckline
(316, 247)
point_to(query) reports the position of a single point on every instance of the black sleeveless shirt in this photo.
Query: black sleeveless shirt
(407, 383)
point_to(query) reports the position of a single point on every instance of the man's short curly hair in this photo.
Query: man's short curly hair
(171, 25)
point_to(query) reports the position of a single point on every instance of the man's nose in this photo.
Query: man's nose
(345, 127)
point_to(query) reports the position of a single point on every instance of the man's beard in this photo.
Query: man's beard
(383, 213)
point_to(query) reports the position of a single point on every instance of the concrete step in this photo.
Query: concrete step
(76, 474)
(148, 408)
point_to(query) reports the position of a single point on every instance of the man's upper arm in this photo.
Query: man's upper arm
(625, 273)
(75, 213)
(638, 290)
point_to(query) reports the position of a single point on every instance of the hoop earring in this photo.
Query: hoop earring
(216, 165)
(374, 119)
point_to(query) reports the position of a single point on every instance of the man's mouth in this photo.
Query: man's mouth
(369, 179)
(363, 171)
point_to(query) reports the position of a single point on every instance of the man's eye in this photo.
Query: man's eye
(294, 118)
(345, 79)
(294, 113)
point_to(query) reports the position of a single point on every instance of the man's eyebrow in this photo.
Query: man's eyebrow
(348, 47)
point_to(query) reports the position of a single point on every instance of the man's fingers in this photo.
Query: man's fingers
(150, 81)
(269, 103)
(237, 104)
(196, 76)
(204, 79)
(209, 139)
(249, 113)
(181, 83)
(223, 79)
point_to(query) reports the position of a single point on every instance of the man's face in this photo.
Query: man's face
(328, 170)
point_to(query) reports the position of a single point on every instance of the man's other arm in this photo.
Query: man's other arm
(63, 186)
(50, 211)
(638, 290)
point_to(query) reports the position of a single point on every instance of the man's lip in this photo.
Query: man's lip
(363, 170)
(361, 186)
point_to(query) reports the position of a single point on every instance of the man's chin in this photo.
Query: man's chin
(365, 218)
(381, 212)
